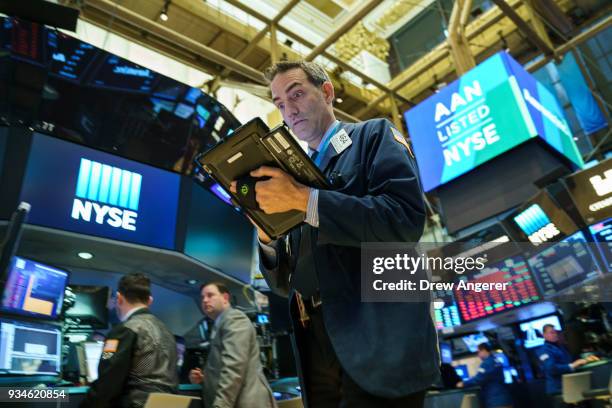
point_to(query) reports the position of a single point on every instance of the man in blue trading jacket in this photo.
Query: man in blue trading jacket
(490, 378)
(349, 353)
(556, 360)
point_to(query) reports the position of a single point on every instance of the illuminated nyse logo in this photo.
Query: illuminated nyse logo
(106, 194)
(602, 187)
(536, 224)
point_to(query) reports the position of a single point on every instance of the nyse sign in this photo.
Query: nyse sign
(106, 194)
(470, 130)
(490, 110)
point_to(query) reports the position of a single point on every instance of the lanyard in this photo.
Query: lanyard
(325, 145)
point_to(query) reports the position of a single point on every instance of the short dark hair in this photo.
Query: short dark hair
(484, 347)
(222, 287)
(135, 287)
(314, 72)
(546, 326)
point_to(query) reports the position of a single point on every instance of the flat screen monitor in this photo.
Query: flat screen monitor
(468, 344)
(602, 235)
(30, 348)
(521, 289)
(542, 220)
(90, 307)
(564, 264)
(462, 371)
(92, 351)
(218, 235)
(531, 331)
(446, 353)
(33, 289)
(446, 313)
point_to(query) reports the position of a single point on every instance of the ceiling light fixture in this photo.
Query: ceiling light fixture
(85, 255)
(191, 281)
(164, 13)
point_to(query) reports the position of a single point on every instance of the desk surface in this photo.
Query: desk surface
(594, 364)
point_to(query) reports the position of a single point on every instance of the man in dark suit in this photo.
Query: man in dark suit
(233, 376)
(350, 352)
(139, 355)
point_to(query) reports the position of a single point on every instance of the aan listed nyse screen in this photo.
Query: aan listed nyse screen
(34, 289)
(520, 291)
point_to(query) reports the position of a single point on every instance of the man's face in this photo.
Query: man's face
(120, 305)
(305, 108)
(213, 301)
(483, 354)
(551, 334)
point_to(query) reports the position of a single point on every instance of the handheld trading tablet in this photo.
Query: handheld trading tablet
(251, 146)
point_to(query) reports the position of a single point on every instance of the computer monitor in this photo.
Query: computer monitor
(602, 235)
(462, 371)
(531, 331)
(563, 265)
(520, 291)
(90, 306)
(446, 353)
(30, 348)
(468, 344)
(92, 352)
(446, 313)
(33, 289)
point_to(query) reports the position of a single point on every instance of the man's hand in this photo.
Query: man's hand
(263, 237)
(591, 358)
(280, 193)
(578, 363)
(460, 384)
(196, 376)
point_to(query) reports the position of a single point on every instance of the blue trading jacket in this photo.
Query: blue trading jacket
(556, 361)
(388, 349)
(490, 378)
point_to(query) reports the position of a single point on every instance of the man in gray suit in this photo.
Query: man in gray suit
(233, 376)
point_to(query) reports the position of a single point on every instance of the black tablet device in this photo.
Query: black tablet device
(254, 145)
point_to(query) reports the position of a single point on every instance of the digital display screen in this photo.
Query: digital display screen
(542, 220)
(591, 191)
(468, 344)
(563, 265)
(446, 353)
(446, 312)
(71, 58)
(218, 235)
(27, 40)
(30, 348)
(521, 289)
(491, 109)
(104, 101)
(462, 371)
(34, 289)
(118, 73)
(532, 331)
(91, 306)
(82, 190)
(602, 234)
